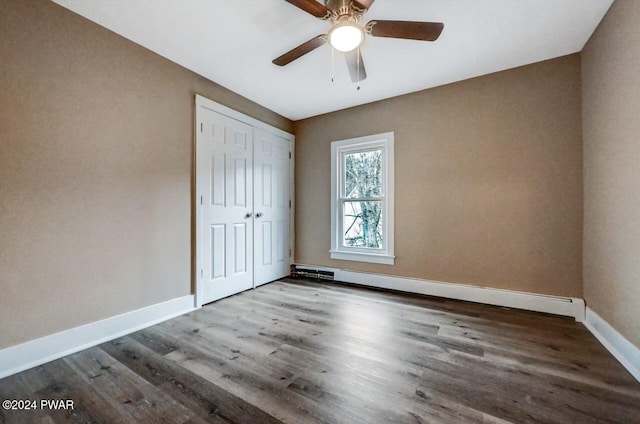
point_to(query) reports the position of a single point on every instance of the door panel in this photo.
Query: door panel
(225, 183)
(266, 243)
(218, 177)
(271, 161)
(239, 181)
(240, 242)
(267, 186)
(218, 251)
(281, 243)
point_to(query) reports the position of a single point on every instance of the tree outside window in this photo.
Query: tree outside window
(362, 223)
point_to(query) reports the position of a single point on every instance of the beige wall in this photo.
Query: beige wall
(611, 125)
(96, 174)
(488, 180)
(95, 171)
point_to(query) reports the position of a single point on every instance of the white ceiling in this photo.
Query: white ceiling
(233, 42)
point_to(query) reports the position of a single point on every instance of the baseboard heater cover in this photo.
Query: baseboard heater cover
(557, 305)
(306, 272)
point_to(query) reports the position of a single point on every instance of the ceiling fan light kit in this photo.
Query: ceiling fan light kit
(347, 34)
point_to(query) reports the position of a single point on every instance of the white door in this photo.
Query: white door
(224, 172)
(271, 206)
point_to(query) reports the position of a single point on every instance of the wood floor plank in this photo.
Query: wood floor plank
(209, 401)
(367, 380)
(127, 392)
(305, 351)
(247, 383)
(34, 381)
(84, 395)
(358, 334)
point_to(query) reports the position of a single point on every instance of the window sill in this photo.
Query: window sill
(363, 257)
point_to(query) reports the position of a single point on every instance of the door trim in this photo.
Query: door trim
(201, 101)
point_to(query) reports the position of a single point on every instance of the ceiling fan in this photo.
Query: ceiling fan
(347, 33)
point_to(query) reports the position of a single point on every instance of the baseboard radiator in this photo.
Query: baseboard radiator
(306, 272)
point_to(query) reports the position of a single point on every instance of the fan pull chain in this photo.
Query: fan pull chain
(332, 64)
(358, 66)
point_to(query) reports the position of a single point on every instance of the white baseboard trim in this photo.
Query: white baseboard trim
(622, 349)
(566, 306)
(45, 349)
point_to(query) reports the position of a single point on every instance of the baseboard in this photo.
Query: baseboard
(622, 349)
(565, 306)
(39, 351)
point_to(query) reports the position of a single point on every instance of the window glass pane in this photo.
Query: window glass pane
(363, 174)
(362, 224)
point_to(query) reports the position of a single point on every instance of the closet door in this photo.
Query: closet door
(271, 206)
(224, 173)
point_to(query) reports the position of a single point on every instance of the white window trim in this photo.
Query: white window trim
(338, 148)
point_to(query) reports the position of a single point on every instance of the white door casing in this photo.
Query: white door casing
(241, 164)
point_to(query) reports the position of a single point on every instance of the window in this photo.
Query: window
(362, 199)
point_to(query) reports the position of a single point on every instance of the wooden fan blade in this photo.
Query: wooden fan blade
(313, 7)
(357, 71)
(301, 50)
(424, 31)
(363, 4)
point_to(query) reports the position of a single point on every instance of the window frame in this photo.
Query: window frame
(339, 149)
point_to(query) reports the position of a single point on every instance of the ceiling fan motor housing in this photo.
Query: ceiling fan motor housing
(340, 8)
(336, 4)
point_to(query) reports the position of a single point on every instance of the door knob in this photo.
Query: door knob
(248, 215)
(259, 214)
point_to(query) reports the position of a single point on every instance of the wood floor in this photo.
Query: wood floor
(300, 351)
